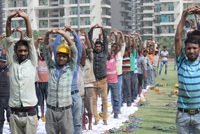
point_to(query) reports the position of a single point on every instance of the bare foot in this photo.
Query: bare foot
(120, 112)
(105, 122)
(96, 122)
(112, 112)
(83, 128)
(90, 127)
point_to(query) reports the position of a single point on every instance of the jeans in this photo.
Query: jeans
(126, 87)
(184, 122)
(162, 63)
(150, 76)
(155, 74)
(120, 91)
(145, 82)
(175, 63)
(77, 113)
(134, 85)
(114, 98)
(4, 106)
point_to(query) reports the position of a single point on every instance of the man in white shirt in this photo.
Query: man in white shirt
(23, 118)
(164, 55)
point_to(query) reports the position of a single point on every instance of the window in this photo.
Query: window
(75, 10)
(14, 23)
(62, 22)
(171, 29)
(157, 8)
(24, 3)
(170, 6)
(87, 10)
(75, 21)
(87, 21)
(61, 12)
(87, 1)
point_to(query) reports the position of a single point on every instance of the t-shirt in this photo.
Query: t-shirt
(189, 82)
(43, 72)
(133, 55)
(112, 70)
(139, 65)
(126, 65)
(165, 54)
(150, 56)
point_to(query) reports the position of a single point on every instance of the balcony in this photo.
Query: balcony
(107, 2)
(81, 12)
(128, 27)
(43, 3)
(106, 23)
(16, 4)
(106, 13)
(81, 1)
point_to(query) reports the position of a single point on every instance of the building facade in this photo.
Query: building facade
(121, 13)
(49, 14)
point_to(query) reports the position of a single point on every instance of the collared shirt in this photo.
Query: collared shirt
(100, 59)
(112, 70)
(79, 48)
(22, 76)
(156, 58)
(189, 82)
(59, 90)
(165, 53)
(89, 77)
(119, 57)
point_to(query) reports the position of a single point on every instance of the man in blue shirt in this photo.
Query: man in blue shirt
(76, 98)
(188, 68)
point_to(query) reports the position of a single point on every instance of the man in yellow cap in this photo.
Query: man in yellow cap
(59, 98)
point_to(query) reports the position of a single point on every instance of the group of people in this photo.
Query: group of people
(70, 76)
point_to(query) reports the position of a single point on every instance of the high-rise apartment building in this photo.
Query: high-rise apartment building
(121, 13)
(49, 14)
(1, 16)
(158, 18)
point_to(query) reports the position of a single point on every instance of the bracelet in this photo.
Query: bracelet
(8, 21)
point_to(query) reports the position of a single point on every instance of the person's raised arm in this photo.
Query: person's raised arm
(179, 31)
(27, 21)
(72, 47)
(109, 40)
(8, 22)
(77, 42)
(105, 43)
(90, 35)
(31, 46)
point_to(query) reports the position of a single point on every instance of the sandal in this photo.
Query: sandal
(157, 127)
(114, 130)
(127, 130)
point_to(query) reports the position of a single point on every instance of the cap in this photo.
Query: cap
(3, 57)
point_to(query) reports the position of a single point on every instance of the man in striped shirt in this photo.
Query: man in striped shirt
(188, 102)
(126, 75)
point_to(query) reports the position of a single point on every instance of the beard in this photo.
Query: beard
(192, 59)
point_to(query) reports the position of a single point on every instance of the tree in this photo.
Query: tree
(169, 43)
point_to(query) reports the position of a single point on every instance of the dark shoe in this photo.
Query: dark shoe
(128, 104)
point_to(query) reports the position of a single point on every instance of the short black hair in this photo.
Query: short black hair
(192, 39)
(196, 32)
(99, 42)
(20, 43)
(145, 51)
(164, 47)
